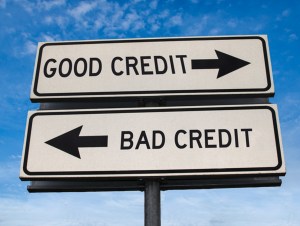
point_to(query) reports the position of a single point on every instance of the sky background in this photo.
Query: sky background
(24, 23)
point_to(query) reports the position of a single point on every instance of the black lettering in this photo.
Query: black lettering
(236, 138)
(221, 139)
(53, 70)
(144, 65)
(91, 73)
(131, 65)
(60, 69)
(165, 67)
(154, 139)
(182, 62)
(195, 135)
(113, 66)
(172, 65)
(208, 138)
(128, 140)
(247, 136)
(176, 139)
(76, 67)
(143, 140)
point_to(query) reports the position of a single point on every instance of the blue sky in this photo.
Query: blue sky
(23, 23)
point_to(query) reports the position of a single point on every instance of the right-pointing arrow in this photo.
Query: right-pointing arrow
(70, 141)
(225, 63)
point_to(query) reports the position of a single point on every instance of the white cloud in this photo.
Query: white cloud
(40, 5)
(164, 14)
(48, 19)
(82, 9)
(116, 19)
(215, 31)
(293, 37)
(108, 18)
(47, 5)
(153, 4)
(230, 207)
(60, 21)
(232, 23)
(2, 4)
(9, 170)
(99, 22)
(156, 20)
(132, 20)
(76, 209)
(27, 5)
(122, 19)
(189, 208)
(29, 48)
(49, 38)
(175, 20)
(283, 14)
(18, 157)
(198, 24)
(154, 27)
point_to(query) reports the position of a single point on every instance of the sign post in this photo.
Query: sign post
(152, 203)
(221, 143)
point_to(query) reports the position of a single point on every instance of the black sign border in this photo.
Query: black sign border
(136, 173)
(130, 94)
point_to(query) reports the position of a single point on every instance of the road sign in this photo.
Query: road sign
(234, 65)
(146, 142)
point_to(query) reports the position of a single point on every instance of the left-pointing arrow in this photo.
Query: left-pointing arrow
(70, 141)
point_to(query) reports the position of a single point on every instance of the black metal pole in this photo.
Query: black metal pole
(152, 203)
(152, 192)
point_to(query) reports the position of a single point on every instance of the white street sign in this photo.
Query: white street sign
(161, 142)
(233, 65)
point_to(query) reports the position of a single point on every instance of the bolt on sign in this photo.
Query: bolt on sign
(210, 66)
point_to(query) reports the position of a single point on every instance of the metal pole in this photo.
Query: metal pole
(152, 203)
(152, 192)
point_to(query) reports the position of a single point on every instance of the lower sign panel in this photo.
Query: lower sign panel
(153, 142)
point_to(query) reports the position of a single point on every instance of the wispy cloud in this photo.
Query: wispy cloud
(175, 20)
(41, 5)
(200, 24)
(28, 6)
(153, 4)
(30, 47)
(293, 37)
(60, 21)
(47, 5)
(285, 13)
(82, 9)
(87, 209)
(2, 4)
(223, 207)
(107, 18)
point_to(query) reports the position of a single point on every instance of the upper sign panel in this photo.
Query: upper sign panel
(235, 65)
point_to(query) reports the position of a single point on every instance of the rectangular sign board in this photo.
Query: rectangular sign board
(233, 65)
(153, 142)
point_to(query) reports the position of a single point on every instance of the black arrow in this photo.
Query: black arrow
(69, 142)
(225, 63)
